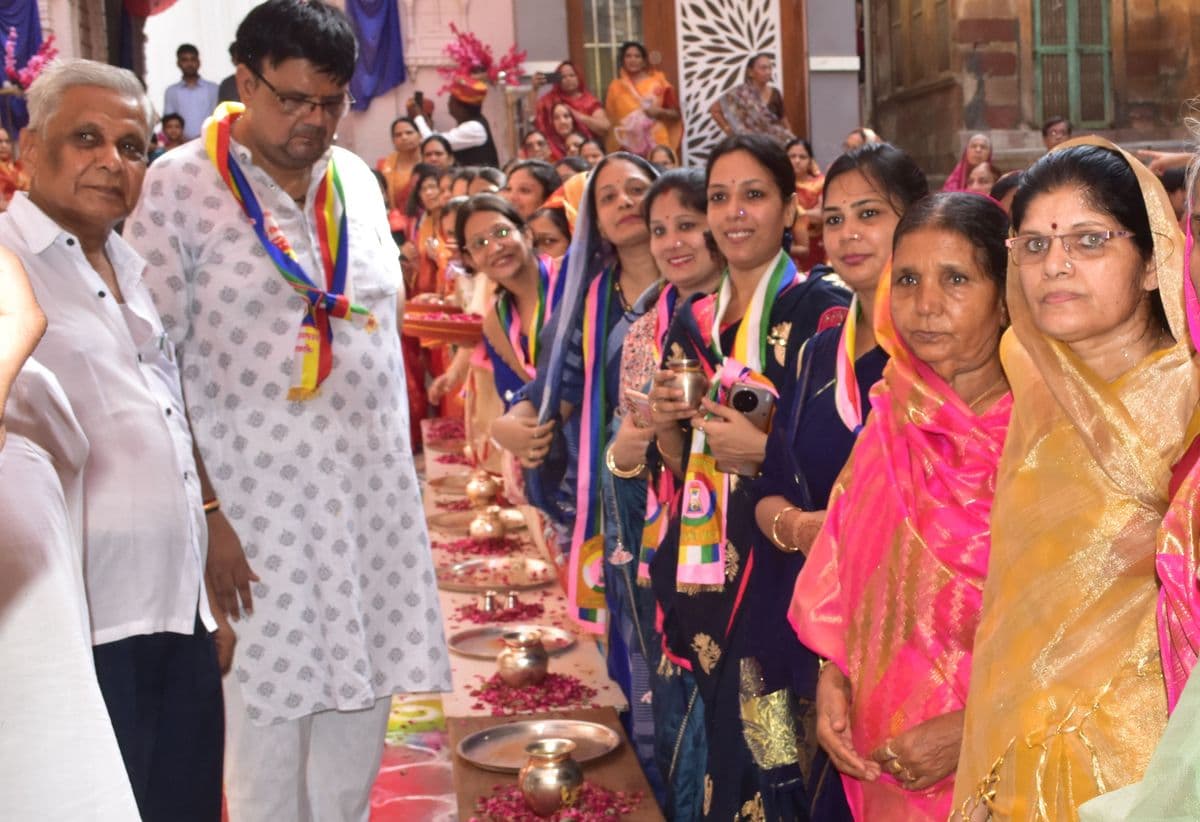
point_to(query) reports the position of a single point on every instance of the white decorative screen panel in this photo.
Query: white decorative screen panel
(716, 39)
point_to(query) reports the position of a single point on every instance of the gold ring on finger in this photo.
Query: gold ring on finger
(888, 752)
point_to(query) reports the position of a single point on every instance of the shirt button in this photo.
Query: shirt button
(101, 294)
(168, 412)
(70, 241)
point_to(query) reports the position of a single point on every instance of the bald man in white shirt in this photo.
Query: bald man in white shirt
(144, 532)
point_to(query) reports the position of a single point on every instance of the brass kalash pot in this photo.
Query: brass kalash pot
(487, 523)
(551, 779)
(523, 660)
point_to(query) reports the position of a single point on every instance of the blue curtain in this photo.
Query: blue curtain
(21, 15)
(380, 49)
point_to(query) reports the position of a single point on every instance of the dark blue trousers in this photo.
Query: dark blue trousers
(163, 693)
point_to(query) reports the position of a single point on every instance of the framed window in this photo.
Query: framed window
(1073, 61)
(606, 25)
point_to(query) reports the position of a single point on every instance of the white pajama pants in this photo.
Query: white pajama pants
(319, 768)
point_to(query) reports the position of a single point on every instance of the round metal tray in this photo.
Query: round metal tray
(487, 641)
(502, 748)
(497, 573)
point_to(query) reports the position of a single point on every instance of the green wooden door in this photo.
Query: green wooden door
(1072, 61)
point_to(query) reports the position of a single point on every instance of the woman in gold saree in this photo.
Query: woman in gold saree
(1067, 699)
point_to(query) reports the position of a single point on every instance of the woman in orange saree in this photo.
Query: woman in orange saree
(642, 106)
(1067, 693)
(397, 167)
(808, 243)
(890, 591)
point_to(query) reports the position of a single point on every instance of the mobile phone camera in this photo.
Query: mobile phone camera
(743, 400)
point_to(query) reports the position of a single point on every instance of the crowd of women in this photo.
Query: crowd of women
(883, 502)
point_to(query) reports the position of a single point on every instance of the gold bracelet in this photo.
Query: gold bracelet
(791, 549)
(622, 473)
(211, 505)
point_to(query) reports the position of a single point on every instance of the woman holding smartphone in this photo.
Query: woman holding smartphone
(743, 334)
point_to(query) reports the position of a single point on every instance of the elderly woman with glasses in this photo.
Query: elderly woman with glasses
(1067, 696)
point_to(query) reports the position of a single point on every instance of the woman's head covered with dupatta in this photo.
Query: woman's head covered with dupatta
(1094, 240)
(619, 180)
(946, 292)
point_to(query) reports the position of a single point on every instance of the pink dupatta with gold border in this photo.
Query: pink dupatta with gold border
(1179, 538)
(892, 589)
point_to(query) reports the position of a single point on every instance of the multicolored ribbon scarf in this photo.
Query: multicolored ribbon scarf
(314, 344)
(659, 492)
(705, 489)
(585, 577)
(846, 396)
(510, 320)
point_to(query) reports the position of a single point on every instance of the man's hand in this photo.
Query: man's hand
(228, 573)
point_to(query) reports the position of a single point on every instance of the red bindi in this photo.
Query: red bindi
(1054, 226)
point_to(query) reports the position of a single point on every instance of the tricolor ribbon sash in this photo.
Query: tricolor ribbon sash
(705, 495)
(585, 577)
(314, 344)
(660, 492)
(846, 396)
(510, 319)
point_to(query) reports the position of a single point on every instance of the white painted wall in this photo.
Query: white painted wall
(209, 25)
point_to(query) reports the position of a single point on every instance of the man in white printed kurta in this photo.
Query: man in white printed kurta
(321, 493)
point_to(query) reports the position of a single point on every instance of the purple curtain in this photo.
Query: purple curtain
(380, 49)
(21, 15)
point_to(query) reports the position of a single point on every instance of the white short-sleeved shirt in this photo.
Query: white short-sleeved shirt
(323, 493)
(145, 538)
(59, 758)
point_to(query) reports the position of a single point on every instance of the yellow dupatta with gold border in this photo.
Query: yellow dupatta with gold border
(1067, 698)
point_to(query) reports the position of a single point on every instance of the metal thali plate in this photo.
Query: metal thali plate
(502, 748)
(486, 642)
(497, 573)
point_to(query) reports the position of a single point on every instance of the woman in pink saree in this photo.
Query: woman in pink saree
(892, 589)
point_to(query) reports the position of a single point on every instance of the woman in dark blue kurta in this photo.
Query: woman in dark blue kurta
(763, 311)
(821, 410)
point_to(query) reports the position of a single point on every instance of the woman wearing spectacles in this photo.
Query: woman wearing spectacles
(496, 242)
(1067, 694)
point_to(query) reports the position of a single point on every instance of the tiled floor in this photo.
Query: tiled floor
(415, 782)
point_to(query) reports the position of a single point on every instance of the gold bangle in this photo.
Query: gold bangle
(791, 549)
(211, 505)
(622, 473)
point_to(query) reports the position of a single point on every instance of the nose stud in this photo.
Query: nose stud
(741, 212)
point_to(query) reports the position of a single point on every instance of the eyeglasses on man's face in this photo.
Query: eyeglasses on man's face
(303, 105)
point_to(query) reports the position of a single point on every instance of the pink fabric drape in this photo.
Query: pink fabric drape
(1178, 539)
(892, 589)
